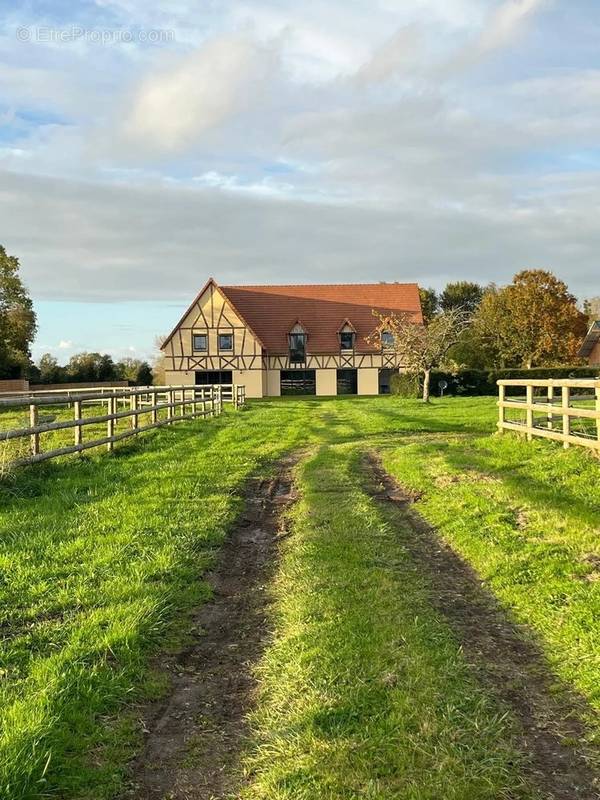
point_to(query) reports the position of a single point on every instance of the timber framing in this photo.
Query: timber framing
(257, 323)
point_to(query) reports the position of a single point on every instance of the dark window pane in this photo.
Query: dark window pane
(347, 340)
(225, 341)
(297, 348)
(200, 342)
(347, 381)
(298, 381)
(385, 381)
(387, 339)
(210, 377)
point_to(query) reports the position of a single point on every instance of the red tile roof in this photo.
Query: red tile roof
(322, 309)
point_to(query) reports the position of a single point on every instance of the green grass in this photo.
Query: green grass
(527, 517)
(365, 692)
(101, 557)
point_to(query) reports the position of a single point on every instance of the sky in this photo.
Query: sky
(145, 146)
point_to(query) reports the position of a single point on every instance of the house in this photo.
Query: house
(278, 340)
(590, 349)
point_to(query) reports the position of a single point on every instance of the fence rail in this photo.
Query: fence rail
(548, 410)
(142, 406)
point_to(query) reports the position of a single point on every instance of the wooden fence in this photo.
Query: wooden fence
(566, 411)
(144, 408)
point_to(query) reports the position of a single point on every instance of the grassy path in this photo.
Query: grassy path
(365, 691)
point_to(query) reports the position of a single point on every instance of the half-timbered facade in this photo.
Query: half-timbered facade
(311, 339)
(590, 349)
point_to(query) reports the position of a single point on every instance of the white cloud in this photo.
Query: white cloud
(501, 28)
(393, 56)
(65, 344)
(173, 107)
(274, 139)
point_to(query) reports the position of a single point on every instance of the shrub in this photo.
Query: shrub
(405, 384)
(471, 382)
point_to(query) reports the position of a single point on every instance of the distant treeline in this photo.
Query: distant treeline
(91, 368)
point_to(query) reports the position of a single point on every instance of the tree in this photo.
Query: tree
(490, 333)
(50, 370)
(135, 371)
(158, 362)
(17, 318)
(534, 321)
(591, 308)
(462, 294)
(91, 368)
(421, 348)
(429, 303)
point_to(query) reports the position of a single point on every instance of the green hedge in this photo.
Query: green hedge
(471, 382)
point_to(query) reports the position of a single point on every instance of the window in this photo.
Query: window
(297, 348)
(213, 377)
(347, 381)
(385, 381)
(387, 339)
(298, 381)
(200, 342)
(226, 341)
(347, 340)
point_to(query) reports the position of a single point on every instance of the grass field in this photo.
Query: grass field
(101, 557)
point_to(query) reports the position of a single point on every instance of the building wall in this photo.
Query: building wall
(368, 381)
(594, 357)
(252, 380)
(176, 378)
(326, 382)
(212, 314)
(273, 388)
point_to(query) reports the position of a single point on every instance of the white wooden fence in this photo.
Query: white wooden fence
(144, 407)
(566, 411)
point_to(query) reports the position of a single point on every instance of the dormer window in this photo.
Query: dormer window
(297, 344)
(387, 340)
(347, 335)
(347, 340)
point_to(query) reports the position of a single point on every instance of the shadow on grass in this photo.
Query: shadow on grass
(504, 655)
(523, 486)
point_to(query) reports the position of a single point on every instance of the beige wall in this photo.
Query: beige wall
(273, 383)
(175, 378)
(594, 358)
(326, 382)
(251, 379)
(368, 381)
(210, 314)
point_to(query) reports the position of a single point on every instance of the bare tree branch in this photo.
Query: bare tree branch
(420, 348)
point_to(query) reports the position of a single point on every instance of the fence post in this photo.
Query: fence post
(501, 397)
(529, 413)
(549, 415)
(35, 437)
(170, 409)
(154, 401)
(133, 406)
(110, 423)
(566, 419)
(78, 428)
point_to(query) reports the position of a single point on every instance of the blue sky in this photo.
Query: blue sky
(145, 146)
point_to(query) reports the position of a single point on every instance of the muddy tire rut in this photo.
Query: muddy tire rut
(194, 738)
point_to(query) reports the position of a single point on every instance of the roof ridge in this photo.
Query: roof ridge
(306, 285)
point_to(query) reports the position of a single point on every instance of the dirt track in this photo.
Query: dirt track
(194, 738)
